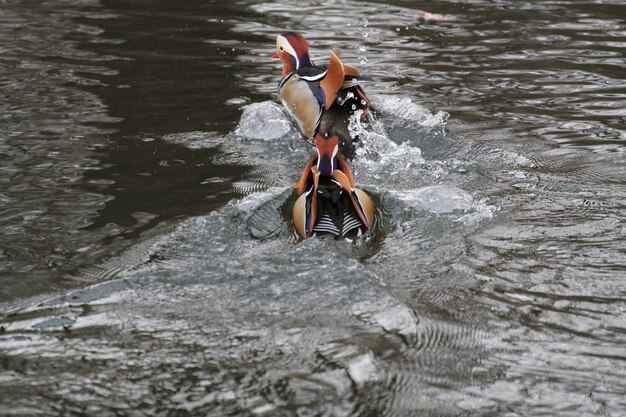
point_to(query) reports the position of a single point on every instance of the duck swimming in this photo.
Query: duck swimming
(329, 202)
(321, 100)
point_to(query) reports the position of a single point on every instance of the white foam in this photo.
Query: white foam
(264, 120)
(443, 199)
(481, 211)
(96, 320)
(377, 152)
(363, 369)
(399, 318)
(438, 198)
(379, 155)
(404, 108)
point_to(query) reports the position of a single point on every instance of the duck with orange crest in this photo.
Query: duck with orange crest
(329, 202)
(321, 100)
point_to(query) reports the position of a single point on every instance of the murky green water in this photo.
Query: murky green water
(147, 263)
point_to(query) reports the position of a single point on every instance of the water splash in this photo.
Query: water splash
(404, 108)
(443, 199)
(438, 199)
(264, 120)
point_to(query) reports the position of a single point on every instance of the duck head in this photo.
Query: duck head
(327, 148)
(325, 162)
(293, 50)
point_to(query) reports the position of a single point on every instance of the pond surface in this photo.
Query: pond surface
(148, 266)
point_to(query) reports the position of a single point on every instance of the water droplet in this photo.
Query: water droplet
(397, 29)
(364, 21)
(362, 59)
(366, 34)
(362, 48)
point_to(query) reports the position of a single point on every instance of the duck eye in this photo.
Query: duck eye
(282, 49)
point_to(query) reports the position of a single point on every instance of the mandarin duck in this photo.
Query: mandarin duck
(321, 100)
(329, 202)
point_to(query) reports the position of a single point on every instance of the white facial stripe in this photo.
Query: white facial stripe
(319, 158)
(332, 159)
(284, 43)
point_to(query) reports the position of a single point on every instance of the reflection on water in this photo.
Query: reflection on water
(148, 267)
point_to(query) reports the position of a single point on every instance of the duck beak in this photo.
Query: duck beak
(275, 56)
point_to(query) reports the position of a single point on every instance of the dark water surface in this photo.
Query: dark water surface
(147, 263)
